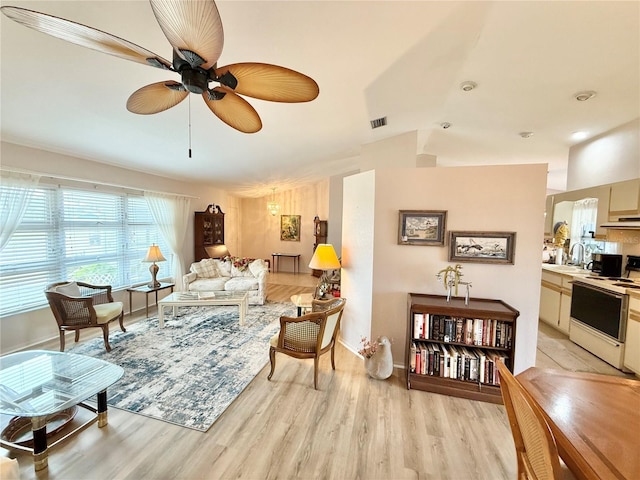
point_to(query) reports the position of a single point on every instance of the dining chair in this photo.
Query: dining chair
(310, 335)
(536, 450)
(78, 305)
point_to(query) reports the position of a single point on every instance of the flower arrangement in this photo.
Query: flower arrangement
(241, 263)
(369, 348)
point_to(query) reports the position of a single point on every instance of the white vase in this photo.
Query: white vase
(380, 365)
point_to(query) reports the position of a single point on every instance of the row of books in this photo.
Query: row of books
(457, 362)
(470, 331)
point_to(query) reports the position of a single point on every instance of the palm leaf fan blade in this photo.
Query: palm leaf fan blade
(270, 82)
(85, 36)
(233, 110)
(156, 97)
(194, 26)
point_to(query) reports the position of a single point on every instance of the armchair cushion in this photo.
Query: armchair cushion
(299, 336)
(70, 289)
(107, 311)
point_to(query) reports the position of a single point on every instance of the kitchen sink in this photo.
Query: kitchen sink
(572, 269)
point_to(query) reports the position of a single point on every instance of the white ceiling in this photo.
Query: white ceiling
(403, 60)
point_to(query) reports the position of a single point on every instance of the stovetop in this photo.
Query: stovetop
(613, 284)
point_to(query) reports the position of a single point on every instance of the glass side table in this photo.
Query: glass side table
(39, 383)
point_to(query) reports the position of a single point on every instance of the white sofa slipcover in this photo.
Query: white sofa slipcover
(229, 274)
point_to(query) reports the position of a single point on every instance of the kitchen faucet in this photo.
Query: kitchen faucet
(581, 256)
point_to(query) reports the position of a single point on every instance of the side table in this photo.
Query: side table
(146, 289)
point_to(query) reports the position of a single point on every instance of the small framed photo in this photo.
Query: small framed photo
(482, 247)
(421, 227)
(290, 228)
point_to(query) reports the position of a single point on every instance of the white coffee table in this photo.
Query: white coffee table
(201, 299)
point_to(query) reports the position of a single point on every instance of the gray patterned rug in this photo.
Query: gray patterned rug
(189, 372)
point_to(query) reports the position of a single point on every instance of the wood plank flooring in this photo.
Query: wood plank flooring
(353, 427)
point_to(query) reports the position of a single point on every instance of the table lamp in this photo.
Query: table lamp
(325, 259)
(217, 251)
(154, 255)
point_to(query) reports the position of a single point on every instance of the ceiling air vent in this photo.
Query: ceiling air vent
(379, 122)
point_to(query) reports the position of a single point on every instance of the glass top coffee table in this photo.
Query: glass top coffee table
(201, 299)
(39, 383)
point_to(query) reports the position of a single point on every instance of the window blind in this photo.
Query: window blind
(73, 234)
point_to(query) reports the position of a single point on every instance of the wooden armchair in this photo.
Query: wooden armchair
(77, 305)
(310, 335)
(536, 449)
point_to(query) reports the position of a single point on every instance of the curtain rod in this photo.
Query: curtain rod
(82, 180)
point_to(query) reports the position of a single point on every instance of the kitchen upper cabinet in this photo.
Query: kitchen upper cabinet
(625, 199)
(548, 217)
(602, 193)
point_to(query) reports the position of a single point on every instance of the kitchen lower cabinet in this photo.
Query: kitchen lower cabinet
(550, 293)
(632, 342)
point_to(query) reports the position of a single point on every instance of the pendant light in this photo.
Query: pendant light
(273, 206)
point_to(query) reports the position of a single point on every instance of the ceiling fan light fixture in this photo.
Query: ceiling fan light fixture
(584, 96)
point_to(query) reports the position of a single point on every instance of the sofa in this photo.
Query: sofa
(229, 274)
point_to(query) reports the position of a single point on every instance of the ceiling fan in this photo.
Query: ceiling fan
(194, 30)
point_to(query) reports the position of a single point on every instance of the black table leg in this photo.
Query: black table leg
(102, 408)
(40, 448)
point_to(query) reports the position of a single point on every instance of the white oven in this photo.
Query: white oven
(599, 308)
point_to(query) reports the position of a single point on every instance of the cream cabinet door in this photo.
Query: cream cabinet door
(625, 199)
(632, 341)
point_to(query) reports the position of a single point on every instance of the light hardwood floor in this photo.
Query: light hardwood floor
(352, 427)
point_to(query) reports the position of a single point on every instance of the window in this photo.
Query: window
(83, 235)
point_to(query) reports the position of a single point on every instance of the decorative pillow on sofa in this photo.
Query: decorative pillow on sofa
(70, 289)
(205, 268)
(224, 267)
(257, 267)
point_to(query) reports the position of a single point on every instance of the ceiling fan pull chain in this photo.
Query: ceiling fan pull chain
(189, 126)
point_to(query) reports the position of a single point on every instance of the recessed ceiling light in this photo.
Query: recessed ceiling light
(445, 125)
(468, 86)
(579, 135)
(584, 96)
(526, 134)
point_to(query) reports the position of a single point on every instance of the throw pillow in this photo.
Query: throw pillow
(224, 267)
(257, 267)
(205, 268)
(70, 289)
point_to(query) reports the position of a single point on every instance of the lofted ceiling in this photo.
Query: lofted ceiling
(371, 59)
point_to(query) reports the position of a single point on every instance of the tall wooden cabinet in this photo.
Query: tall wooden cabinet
(452, 347)
(320, 235)
(208, 230)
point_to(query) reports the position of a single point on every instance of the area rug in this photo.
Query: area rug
(190, 371)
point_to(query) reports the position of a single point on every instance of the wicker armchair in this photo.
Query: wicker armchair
(77, 305)
(310, 335)
(536, 449)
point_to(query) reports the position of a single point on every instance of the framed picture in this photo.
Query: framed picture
(421, 227)
(290, 228)
(482, 247)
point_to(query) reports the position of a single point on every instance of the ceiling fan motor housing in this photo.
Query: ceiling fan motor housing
(195, 79)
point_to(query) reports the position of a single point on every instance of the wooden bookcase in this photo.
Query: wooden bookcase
(208, 230)
(479, 332)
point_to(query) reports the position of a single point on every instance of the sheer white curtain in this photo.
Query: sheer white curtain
(583, 219)
(171, 213)
(15, 191)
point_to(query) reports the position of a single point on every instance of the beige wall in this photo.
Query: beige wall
(261, 231)
(379, 273)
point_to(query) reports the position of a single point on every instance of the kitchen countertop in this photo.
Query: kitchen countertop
(569, 270)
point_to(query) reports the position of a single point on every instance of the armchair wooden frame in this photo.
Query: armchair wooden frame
(76, 313)
(536, 449)
(310, 335)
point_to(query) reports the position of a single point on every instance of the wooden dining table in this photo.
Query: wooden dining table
(594, 418)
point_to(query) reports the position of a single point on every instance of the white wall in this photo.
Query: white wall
(611, 157)
(496, 198)
(358, 257)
